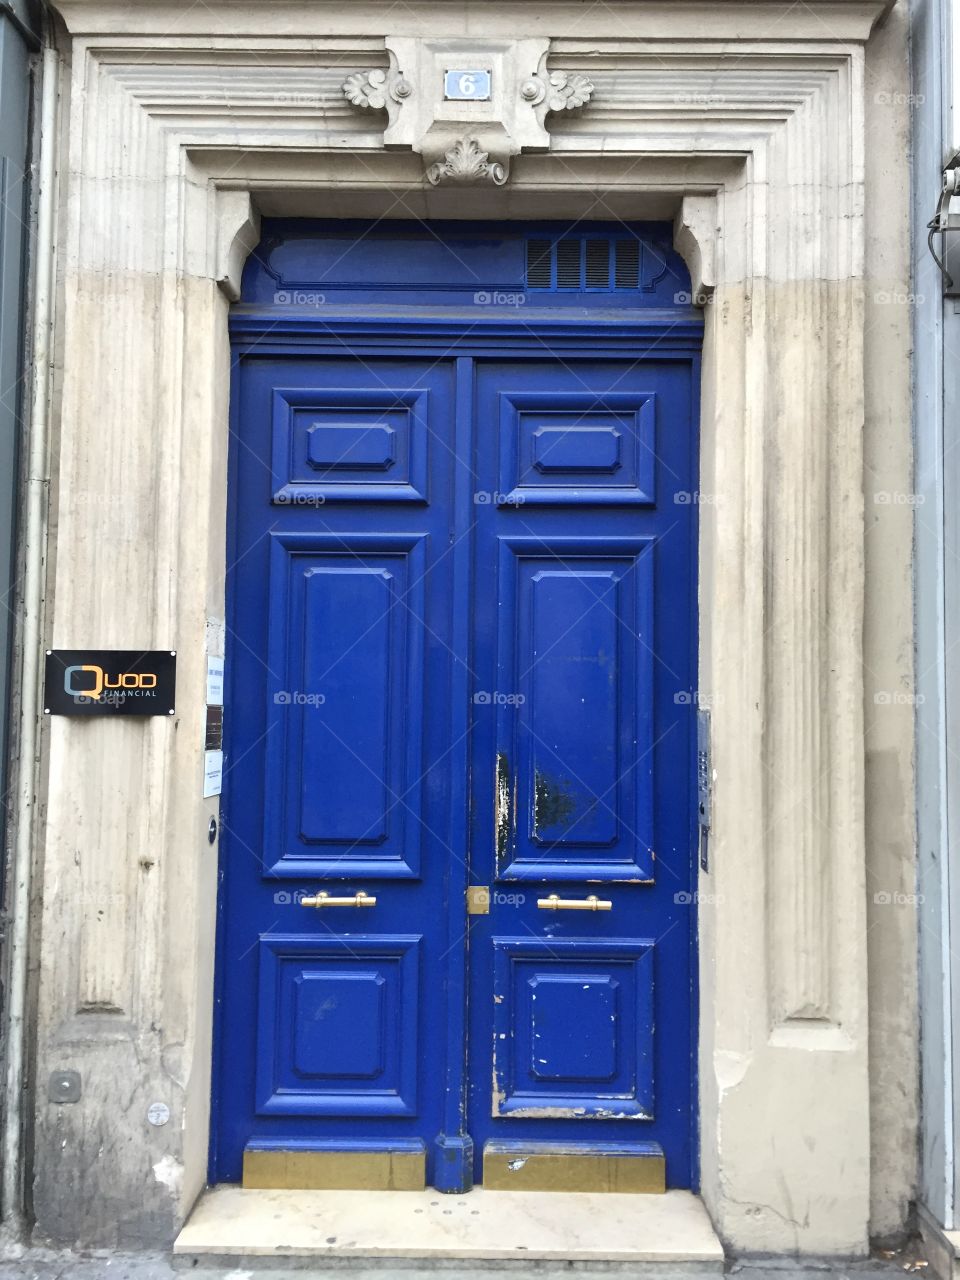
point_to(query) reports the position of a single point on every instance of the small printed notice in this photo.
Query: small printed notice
(214, 682)
(212, 773)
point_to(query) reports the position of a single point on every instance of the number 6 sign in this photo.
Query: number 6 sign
(466, 86)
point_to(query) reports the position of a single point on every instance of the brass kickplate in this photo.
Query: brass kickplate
(334, 1170)
(509, 1166)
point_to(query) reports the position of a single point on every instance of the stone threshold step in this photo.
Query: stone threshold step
(521, 1227)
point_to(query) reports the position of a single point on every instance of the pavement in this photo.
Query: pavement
(18, 1263)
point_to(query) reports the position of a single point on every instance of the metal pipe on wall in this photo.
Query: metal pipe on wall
(34, 534)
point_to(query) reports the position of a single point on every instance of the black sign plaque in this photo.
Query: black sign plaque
(110, 682)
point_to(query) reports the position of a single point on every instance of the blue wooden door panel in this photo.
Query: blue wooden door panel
(339, 692)
(573, 1033)
(337, 1020)
(574, 732)
(344, 746)
(348, 445)
(569, 448)
(581, 777)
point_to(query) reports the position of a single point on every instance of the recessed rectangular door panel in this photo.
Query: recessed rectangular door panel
(344, 752)
(577, 446)
(573, 1028)
(339, 1025)
(575, 622)
(349, 444)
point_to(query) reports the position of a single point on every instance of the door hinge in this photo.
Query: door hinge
(704, 769)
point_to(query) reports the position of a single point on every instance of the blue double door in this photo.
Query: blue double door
(456, 908)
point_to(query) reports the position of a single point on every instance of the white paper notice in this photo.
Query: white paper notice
(214, 682)
(212, 773)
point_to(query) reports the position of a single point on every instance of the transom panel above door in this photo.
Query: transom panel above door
(456, 911)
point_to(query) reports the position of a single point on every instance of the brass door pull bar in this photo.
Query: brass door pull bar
(360, 899)
(592, 903)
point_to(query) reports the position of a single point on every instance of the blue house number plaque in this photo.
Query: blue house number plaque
(466, 86)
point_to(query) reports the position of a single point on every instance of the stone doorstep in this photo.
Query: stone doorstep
(507, 1226)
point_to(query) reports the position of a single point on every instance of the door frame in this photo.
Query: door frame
(630, 335)
(166, 176)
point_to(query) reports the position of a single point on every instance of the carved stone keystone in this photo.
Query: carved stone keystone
(466, 161)
(472, 140)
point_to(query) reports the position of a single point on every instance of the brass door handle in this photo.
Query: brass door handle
(360, 899)
(592, 903)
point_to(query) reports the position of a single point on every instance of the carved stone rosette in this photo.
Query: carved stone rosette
(557, 90)
(375, 90)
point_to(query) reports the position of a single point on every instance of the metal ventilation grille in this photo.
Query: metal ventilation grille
(627, 271)
(598, 264)
(568, 264)
(539, 264)
(580, 262)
